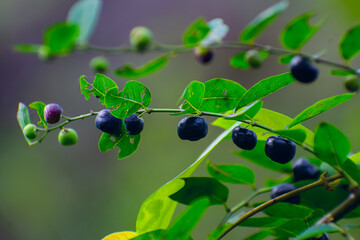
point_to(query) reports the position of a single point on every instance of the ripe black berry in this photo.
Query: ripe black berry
(244, 138)
(192, 128)
(285, 188)
(302, 70)
(203, 55)
(280, 150)
(303, 169)
(52, 113)
(134, 125)
(106, 122)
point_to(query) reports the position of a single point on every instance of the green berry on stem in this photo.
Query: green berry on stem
(141, 38)
(253, 58)
(67, 137)
(30, 131)
(44, 53)
(99, 64)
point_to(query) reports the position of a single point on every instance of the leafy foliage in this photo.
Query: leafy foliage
(60, 38)
(349, 46)
(196, 32)
(259, 24)
(299, 31)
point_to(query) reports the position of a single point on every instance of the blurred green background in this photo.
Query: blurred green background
(55, 192)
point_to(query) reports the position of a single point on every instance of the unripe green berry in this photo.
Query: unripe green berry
(67, 137)
(99, 64)
(352, 84)
(141, 38)
(253, 58)
(30, 131)
(44, 53)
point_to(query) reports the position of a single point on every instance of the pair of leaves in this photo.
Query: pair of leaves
(23, 119)
(216, 95)
(130, 99)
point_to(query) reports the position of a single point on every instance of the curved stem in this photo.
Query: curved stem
(225, 45)
(323, 181)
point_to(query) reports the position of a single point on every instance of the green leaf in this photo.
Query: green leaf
(349, 44)
(298, 32)
(318, 231)
(23, 118)
(85, 14)
(320, 107)
(221, 95)
(39, 107)
(263, 222)
(257, 156)
(126, 143)
(186, 222)
(331, 145)
(198, 187)
(341, 73)
(259, 235)
(196, 32)
(286, 59)
(239, 60)
(352, 169)
(291, 228)
(264, 88)
(27, 48)
(261, 22)
(129, 100)
(288, 210)
(128, 71)
(193, 96)
(153, 235)
(61, 37)
(298, 135)
(239, 174)
(99, 88)
(158, 208)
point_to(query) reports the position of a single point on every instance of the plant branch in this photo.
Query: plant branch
(177, 49)
(323, 181)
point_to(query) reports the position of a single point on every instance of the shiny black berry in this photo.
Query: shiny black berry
(192, 128)
(203, 55)
(282, 189)
(244, 138)
(106, 122)
(303, 169)
(52, 113)
(302, 70)
(134, 125)
(280, 150)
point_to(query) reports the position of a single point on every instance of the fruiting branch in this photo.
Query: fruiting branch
(179, 49)
(323, 181)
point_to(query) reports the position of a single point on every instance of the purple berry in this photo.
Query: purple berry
(52, 113)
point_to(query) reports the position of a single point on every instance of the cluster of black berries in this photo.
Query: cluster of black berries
(52, 114)
(112, 125)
